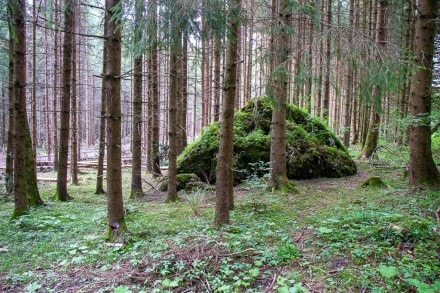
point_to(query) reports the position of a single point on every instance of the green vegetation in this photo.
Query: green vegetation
(187, 182)
(312, 150)
(330, 235)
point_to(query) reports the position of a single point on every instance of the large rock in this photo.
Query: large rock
(312, 150)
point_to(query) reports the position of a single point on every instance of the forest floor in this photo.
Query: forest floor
(332, 235)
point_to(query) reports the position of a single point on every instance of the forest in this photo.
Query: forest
(220, 146)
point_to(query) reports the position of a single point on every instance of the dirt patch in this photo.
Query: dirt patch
(349, 182)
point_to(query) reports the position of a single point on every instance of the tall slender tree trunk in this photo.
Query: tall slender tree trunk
(136, 171)
(46, 99)
(34, 80)
(55, 88)
(183, 96)
(349, 84)
(217, 78)
(402, 106)
(102, 119)
(326, 95)
(249, 73)
(69, 24)
(225, 163)
(9, 168)
(173, 99)
(25, 180)
(4, 110)
(373, 128)
(115, 206)
(421, 167)
(153, 85)
(74, 107)
(278, 84)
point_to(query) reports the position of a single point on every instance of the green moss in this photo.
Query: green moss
(287, 187)
(117, 231)
(312, 150)
(59, 198)
(200, 157)
(18, 212)
(187, 182)
(135, 194)
(373, 182)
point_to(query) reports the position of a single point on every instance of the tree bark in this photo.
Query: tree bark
(373, 128)
(421, 167)
(46, 99)
(74, 106)
(183, 96)
(217, 78)
(278, 85)
(225, 162)
(136, 171)
(349, 85)
(115, 206)
(34, 81)
(69, 23)
(102, 119)
(55, 88)
(326, 95)
(153, 107)
(9, 168)
(175, 48)
(25, 180)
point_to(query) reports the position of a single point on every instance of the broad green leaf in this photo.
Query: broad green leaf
(122, 289)
(388, 271)
(325, 230)
(254, 272)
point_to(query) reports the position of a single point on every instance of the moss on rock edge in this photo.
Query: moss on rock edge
(312, 150)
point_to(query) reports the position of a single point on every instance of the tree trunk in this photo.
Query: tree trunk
(9, 170)
(173, 99)
(136, 171)
(217, 78)
(102, 120)
(278, 85)
(248, 89)
(74, 107)
(225, 162)
(55, 88)
(373, 128)
(25, 179)
(46, 99)
(326, 95)
(115, 206)
(34, 81)
(183, 96)
(153, 81)
(421, 167)
(69, 23)
(349, 85)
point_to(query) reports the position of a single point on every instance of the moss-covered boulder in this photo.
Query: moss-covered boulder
(312, 150)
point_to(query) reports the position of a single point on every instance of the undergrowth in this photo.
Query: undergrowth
(331, 236)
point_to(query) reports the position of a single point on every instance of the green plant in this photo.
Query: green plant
(195, 200)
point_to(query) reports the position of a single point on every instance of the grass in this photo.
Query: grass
(331, 236)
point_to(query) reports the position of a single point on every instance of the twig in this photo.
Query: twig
(241, 252)
(298, 238)
(151, 185)
(272, 284)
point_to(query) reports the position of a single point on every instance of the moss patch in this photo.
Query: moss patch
(312, 150)
(187, 182)
(373, 182)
